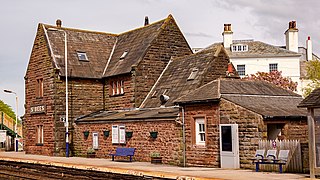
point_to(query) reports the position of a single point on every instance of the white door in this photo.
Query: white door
(229, 146)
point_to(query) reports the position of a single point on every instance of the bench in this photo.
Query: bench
(125, 152)
(271, 159)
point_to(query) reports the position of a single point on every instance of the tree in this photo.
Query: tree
(313, 74)
(276, 78)
(7, 109)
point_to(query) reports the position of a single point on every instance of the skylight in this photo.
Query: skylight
(124, 55)
(82, 56)
(193, 74)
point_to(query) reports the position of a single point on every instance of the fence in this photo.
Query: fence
(294, 163)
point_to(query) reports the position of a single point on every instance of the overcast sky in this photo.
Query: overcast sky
(200, 21)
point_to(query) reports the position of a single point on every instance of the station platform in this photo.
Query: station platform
(146, 169)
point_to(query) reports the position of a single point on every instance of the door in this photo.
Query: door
(229, 146)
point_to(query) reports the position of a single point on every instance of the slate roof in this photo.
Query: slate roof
(97, 46)
(103, 49)
(258, 49)
(258, 96)
(149, 114)
(174, 81)
(136, 43)
(311, 101)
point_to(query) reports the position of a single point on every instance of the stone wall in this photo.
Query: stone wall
(167, 143)
(40, 66)
(169, 43)
(197, 155)
(250, 127)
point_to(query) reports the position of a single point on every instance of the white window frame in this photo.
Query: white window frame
(200, 127)
(40, 134)
(240, 70)
(239, 48)
(273, 67)
(121, 87)
(118, 134)
(95, 140)
(82, 56)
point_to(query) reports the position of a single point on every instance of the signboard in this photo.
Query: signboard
(38, 109)
(3, 134)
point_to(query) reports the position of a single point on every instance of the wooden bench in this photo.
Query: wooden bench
(271, 159)
(125, 152)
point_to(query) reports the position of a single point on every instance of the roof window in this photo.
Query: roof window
(82, 56)
(239, 47)
(124, 55)
(193, 74)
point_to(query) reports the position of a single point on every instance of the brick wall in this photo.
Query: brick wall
(207, 155)
(169, 43)
(167, 143)
(40, 66)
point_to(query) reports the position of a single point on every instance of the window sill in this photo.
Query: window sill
(116, 95)
(39, 97)
(199, 146)
(39, 144)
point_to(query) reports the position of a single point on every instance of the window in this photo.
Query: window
(39, 134)
(273, 67)
(95, 141)
(118, 134)
(239, 48)
(117, 88)
(193, 74)
(123, 55)
(82, 56)
(241, 70)
(39, 88)
(200, 131)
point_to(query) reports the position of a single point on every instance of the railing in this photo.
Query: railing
(294, 163)
(10, 123)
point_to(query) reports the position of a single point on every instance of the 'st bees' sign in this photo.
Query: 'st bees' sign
(38, 109)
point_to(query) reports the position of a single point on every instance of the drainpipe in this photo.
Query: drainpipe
(183, 138)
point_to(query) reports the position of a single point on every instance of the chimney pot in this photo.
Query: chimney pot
(309, 38)
(146, 21)
(58, 23)
(230, 68)
(294, 24)
(290, 25)
(225, 27)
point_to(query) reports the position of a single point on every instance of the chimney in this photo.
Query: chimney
(58, 23)
(146, 21)
(292, 37)
(227, 36)
(309, 49)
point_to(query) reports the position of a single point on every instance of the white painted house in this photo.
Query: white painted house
(250, 57)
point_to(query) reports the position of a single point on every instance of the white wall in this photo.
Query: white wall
(289, 66)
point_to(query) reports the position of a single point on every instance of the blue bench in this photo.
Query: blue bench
(125, 152)
(271, 158)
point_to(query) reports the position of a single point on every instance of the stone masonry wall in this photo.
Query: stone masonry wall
(250, 128)
(207, 155)
(125, 100)
(167, 143)
(84, 96)
(40, 66)
(169, 43)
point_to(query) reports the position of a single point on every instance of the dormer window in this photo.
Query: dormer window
(239, 47)
(124, 55)
(193, 74)
(82, 56)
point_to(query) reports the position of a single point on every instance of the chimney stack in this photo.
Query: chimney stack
(58, 23)
(146, 21)
(309, 49)
(292, 37)
(227, 36)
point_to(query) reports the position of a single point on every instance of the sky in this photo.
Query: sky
(201, 21)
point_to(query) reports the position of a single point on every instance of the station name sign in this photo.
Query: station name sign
(37, 109)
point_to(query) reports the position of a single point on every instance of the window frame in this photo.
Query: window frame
(116, 88)
(39, 87)
(84, 54)
(39, 134)
(273, 67)
(240, 70)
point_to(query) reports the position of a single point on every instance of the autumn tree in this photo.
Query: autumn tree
(276, 78)
(7, 109)
(313, 74)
